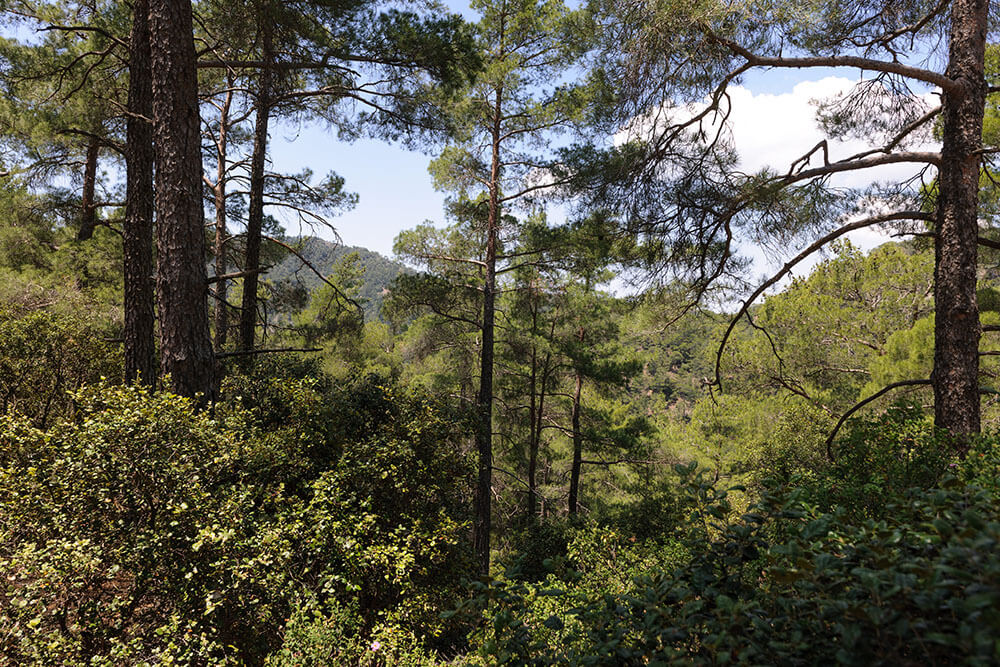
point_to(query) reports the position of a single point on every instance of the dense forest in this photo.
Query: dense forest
(570, 423)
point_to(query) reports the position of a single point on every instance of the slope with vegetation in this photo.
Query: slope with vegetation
(498, 460)
(314, 258)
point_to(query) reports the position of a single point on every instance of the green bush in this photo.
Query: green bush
(532, 547)
(145, 531)
(122, 535)
(785, 584)
(982, 464)
(880, 458)
(43, 358)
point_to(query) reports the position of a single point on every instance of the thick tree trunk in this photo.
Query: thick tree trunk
(255, 212)
(137, 232)
(221, 234)
(956, 327)
(181, 283)
(88, 208)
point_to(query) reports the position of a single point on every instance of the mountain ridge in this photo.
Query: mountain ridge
(380, 271)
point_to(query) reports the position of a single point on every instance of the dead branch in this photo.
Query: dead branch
(318, 273)
(263, 350)
(241, 274)
(881, 392)
(789, 265)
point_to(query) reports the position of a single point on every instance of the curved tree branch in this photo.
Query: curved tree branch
(881, 392)
(790, 264)
(868, 64)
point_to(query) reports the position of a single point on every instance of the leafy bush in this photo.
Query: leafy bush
(533, 546)
(147, 532)
(43, 358)
(982, 463)
(880, 458)
(784, 584)
(119, 532)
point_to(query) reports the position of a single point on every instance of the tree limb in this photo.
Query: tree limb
(241, 274)
(790, 264)
(881, 392)
(264, 350)
(869, 64)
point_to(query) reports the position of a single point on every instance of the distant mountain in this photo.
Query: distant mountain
(379, 271)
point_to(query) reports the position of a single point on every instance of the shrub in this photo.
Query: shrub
(145, 531)
(784, 585)
(121, 535)
(44, 358)
(880, 458)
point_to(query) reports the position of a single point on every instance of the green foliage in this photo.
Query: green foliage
(144, 531)
(783, 584)
(334, 312)
(42, 265)
(120, 533)
(333, 637)
(882, 457)
(829, 333)
(381, 496)
(982, 463)
(44, 357)
(378, 272)
(909, 354)
(531, 548)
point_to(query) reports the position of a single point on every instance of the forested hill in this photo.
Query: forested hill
(323, 255)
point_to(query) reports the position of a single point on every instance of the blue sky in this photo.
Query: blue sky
(393, 186)
(396, 192)
(772, 125)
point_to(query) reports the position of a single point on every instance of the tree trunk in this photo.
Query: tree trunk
(181, 283)
(88, 209)
(137, 232)
(574, 475)
(255, 212)
(221, 234)
(484, 401)
(956, 327)
(533, 413)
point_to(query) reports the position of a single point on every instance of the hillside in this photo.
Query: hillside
(379, 270)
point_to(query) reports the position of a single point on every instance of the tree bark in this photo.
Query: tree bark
(137, 232)
(484, 401)
(88, 209)
(255, 212)
(574, 475)
(956, 326)
(534, 412)
(221, 233)
(182, 289)
(539, 387)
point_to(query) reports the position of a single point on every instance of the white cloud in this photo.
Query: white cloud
(774, 130)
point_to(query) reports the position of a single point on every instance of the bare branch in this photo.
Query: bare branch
(881, 392)
(790, 264)
(241, 274)
(263, 350)
(318, 273)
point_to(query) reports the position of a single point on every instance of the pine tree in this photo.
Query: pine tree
(687, 197)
